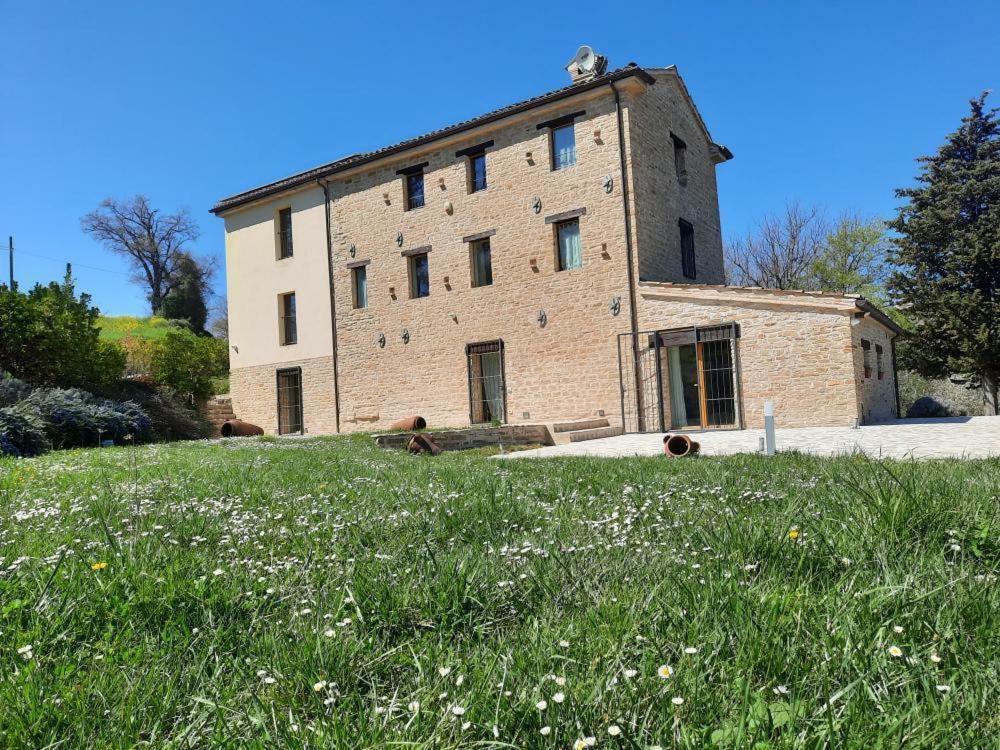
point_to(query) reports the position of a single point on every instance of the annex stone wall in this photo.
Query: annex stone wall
(254, 395)
(795, 349)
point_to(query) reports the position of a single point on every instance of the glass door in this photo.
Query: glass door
(702, 391)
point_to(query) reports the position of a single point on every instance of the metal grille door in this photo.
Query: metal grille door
(487, 391)
(289, 401)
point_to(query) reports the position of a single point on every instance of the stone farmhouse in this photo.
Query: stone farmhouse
(558, 260)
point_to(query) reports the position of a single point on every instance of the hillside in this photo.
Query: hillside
(117, 327)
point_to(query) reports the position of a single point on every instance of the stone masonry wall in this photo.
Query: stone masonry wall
(876, 396)
(255, 396)
(564, 370)
(660, 198)
(794, 351)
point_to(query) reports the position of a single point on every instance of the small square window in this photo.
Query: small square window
(284, 233)
(287, 331)
(414, 190)
(482, 263)
(477, 172)
(563, 147)
(568, 252)
(420, 279)
(359, 284)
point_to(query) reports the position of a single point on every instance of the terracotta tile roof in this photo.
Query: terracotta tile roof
(354, 160)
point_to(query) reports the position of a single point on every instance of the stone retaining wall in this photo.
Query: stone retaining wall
(474, 437)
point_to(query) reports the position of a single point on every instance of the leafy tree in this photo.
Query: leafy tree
(186, 301)
(852, 259)
(948, 250)
(186, 363)
(154, 243)
(50, 337)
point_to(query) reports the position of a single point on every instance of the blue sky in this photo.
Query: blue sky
(826, 103)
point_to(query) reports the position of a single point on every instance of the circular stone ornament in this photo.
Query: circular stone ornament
(405, 336)
(609, 183)
(381, 341)
(536, 205)
(399, 239)
(542, 318)
(615, 306)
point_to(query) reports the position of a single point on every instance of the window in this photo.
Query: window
(359, 283)
(688, 267)
(290, 401)
(286, 319)
(477, 172)
(284, 233)
(420, 280)
(482, 262)
(563, 146)
(866, 356)
(568, 245)
(414, 190)
(879, 362)
(680, 159)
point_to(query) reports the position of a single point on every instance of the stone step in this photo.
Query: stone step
(594, 434)
(581, 424)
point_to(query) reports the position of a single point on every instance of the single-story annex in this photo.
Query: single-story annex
(558, 260)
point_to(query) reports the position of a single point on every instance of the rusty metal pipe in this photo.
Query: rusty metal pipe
(423, 444)
(676, 446)
(409, 423)
(239, 428)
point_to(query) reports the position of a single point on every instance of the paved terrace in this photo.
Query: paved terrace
(955, 437)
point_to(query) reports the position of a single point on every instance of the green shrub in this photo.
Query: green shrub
(50, 338)
(22, 433)
(75, 418)
(12, 390)
(186, 363)
(171, 418)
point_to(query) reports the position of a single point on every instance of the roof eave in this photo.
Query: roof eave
(326, 170)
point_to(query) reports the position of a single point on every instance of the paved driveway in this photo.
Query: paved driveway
(957, 437)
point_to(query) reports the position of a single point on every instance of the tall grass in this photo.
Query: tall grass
(323, 593)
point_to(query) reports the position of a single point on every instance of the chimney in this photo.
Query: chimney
(586, 64)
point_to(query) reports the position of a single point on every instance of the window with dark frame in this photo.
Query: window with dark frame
(487, 393)
(688, 265)
(289, 385)
(414, 190)
(482, 262)
(680, 159)
(879, 362)
(866, 356)
(284, 233)
(286, 319)
(477, 172)
(568, 251)
(420, 279)
(563, 138)
(359, 283)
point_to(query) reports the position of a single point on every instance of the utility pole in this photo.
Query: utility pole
(10, 241)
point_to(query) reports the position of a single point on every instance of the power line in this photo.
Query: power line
(75, 264)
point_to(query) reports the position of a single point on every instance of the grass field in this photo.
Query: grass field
(117, 327)
(324, 593)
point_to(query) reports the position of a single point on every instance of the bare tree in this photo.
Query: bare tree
(154, 243)
(781, 253)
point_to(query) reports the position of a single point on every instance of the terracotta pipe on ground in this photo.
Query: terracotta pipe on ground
(423, 444)
(409, 423)
(676, 446)
(239, 428)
